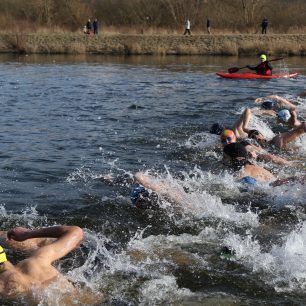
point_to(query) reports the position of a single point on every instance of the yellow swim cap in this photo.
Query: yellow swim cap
(2, 255)
(263, 57)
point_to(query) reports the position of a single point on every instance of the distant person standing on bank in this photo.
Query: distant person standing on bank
(208, 26)
(95, 26)
(88, 27)
(187, 27)
(264, 26)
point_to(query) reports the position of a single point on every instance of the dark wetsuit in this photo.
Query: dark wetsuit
(264, 68)
(249, 142)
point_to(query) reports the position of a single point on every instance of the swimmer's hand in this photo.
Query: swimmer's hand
(258, 100)
(18, 234)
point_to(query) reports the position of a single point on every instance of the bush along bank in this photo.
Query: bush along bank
(79, 43)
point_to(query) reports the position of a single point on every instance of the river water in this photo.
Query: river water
(67, 122)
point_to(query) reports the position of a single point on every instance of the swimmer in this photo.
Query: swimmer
(279, 107)
(239, 128)
(143, 198)
(274, 102)
(288, 118)
(236, 156)
(31, 277)
(255, 151)
(175, 194)
(281, 140)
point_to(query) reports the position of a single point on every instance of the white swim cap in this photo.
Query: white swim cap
(284, 115)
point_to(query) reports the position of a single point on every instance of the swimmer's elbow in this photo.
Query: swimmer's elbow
(141, 178)
(78, 233)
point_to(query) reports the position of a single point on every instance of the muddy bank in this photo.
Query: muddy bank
(78, 43)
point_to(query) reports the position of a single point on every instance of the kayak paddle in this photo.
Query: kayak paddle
(235, 69)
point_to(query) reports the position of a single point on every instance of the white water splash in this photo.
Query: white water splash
(283, 267)
(203, 140)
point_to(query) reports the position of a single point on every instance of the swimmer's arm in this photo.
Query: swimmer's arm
(295, 122)
(163, 188)
(267, 157)
(260, 111)
(28, 246)
(282, 102)
(240, 127)
(67, 238)
(256, 149)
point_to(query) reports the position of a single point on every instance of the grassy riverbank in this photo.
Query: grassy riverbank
(79, 43)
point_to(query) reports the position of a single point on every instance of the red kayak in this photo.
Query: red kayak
(250, 75)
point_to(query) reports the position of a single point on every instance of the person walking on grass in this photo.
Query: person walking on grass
(187, 27)
(208, 26)
(95, 26)
(264, 26)
(88, 27)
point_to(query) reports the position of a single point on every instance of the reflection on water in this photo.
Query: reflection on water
(70, 122)
(205, 64)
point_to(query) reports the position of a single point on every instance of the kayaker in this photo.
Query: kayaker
(263, 68)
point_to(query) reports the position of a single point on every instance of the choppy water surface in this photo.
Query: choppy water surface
(66, 122)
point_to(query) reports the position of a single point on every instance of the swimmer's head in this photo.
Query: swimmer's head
(137, 192)
(268, 104)
(248, 183)
(255, 134)
(248, 180)
(227, 136)
(283, 115)
(142, 198)
(2, 255)
(235, 155)
(216, 128)
(263, 57)
(235, 150)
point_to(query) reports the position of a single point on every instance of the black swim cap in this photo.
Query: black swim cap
(216, 128)
(235, 150)
(268, 104)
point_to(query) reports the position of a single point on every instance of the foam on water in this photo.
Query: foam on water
(260, 125)
(203, 140)
(289, 194)
(199, 202)
(283, 267)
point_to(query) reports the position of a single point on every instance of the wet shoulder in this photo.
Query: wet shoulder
(37, 271)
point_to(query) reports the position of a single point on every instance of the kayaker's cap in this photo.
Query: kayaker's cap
(228, 136)
(263, 57)
(136, 192)
(2, 255)
(249, 181)
(268, 104)
(216, 128)
(284, 115)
